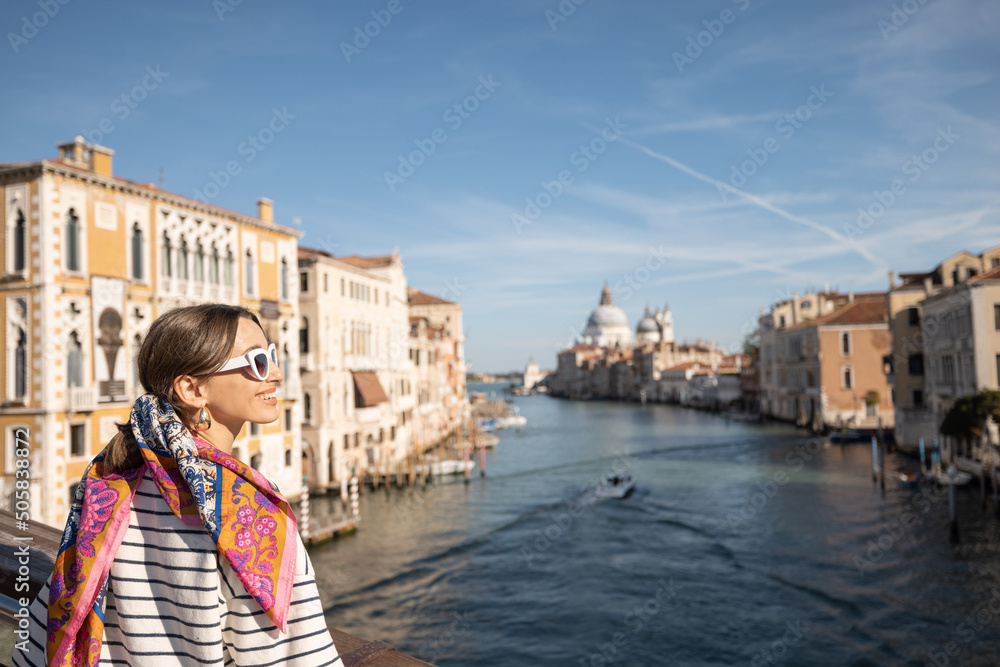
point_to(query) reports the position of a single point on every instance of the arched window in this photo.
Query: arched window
(288, 457)
(249, 272)
(284, 279)
(20, 241)
(136, 252)
(304, 337)
(227, 274)
(182, 260)
(168, 257)
(255, 461)
(21, 364)
(74, 361)
(199, 264)
(307, 407)
(72, 241)
(286, 361)
(845, 343)
(847, 377)
(213, 266)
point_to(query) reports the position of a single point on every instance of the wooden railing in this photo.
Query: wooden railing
(41, 557)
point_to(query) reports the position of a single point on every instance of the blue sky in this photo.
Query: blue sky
(740, 138)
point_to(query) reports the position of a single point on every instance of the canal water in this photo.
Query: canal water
(742, 545)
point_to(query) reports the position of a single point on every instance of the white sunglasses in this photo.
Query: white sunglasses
(258, 360)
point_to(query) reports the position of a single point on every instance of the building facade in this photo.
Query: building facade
(907, 364)
(356, 376)
(90, 260)
(961, 336)
(828, 372)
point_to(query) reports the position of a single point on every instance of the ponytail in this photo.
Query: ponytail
(122, 452)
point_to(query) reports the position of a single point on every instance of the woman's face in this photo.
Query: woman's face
(237, 396)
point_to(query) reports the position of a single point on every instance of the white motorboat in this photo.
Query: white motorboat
(448, 467)
(616, 485)
(952, 476)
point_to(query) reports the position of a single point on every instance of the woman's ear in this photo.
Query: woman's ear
(189, 391)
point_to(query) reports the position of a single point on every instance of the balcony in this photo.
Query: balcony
(307, 362)
(81, 399)
(368, 415)
(290, 390)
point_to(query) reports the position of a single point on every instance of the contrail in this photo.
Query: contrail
(757, 201)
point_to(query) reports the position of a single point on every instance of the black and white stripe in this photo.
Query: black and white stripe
(173, 601)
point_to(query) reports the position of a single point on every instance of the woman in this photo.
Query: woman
(175, 553)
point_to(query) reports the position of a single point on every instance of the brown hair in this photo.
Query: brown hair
(194, 341)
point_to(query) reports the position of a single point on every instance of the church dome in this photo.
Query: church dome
(608, 316)
(608, 325)
(648, 324)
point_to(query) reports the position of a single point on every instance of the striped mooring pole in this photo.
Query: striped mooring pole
(304, 510)
(354, 496)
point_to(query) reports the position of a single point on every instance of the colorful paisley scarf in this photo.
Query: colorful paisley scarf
(251, 522)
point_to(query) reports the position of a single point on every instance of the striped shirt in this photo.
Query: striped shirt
(173, 601)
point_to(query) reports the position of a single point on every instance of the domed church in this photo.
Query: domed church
(655, 327)
(608, 325)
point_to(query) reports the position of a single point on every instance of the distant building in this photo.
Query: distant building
(353, 343)
(908, 362)
(608, 325)
(824, 367)
(532, 375)
(961, 336)
(437, 349)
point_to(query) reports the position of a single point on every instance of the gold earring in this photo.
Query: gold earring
(204, 420)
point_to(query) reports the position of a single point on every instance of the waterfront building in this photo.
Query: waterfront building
(961, 346)
(438, 340)
(532, 375)
(90, 260)
(783, 314)
(357, 377)
(907, 364)
(829, 368)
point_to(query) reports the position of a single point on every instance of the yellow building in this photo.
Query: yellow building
(90, 260)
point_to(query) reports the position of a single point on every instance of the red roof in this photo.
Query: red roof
(418, 298)
(992, 274)
(865, 309)
(365, 262)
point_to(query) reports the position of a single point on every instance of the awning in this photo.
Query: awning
(368, 390)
